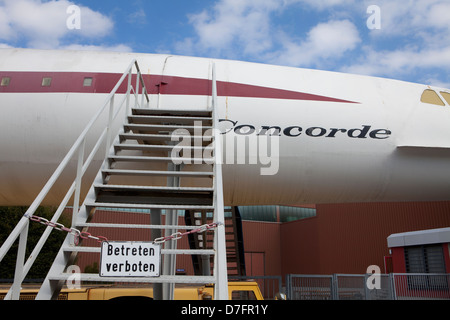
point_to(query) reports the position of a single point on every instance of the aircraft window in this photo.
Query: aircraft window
(446, 96)
(429, 96)
(87, 82)
(5, 81)
(46, 82)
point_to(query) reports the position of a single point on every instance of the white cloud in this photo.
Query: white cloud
(438, 15)
(245, 23)
(323, 4)
(6, 31)
(419, 19)
(43, 24)
(401, 61)
(413, 43)
(247, 28)
(139, 17)
(414, 39)
(326, 41)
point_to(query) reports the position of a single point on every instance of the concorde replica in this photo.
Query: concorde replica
(78, 129)
(342, 137)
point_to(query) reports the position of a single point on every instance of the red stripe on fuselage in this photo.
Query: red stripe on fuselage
(72, 82)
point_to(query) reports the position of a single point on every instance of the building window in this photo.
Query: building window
(426, 259)
(87, 82)
(5, 81)
(46, 81)
(430, 96)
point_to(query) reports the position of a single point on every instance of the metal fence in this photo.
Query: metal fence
(394, 286)
(410, 286)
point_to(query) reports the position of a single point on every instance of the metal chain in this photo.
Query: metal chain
(86, 235)
(179, 235)
(75, 232)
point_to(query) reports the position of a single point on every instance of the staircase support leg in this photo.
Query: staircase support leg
(156, 233)
(169, 265)
(220, 258)
(206, 264)
(170, 261)
(220, 265)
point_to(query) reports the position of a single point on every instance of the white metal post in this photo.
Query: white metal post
(109, 126)
(18, 275)
(129, 90)
(143, 93)
(220, 259)
(169, 265)
(136, 97)
(76, 201)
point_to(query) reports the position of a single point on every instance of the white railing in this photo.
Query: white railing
(78, 151)
(220, 258)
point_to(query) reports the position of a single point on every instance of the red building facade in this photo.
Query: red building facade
(340, 238)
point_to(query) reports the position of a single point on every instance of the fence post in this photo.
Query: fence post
(334, 287)
(366, 288)
(392, 284)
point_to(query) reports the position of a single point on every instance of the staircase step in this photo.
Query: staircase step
(163, 127)
(174, 120)
(156, 147)
(158, 173)
(147, 206)
(170, 112)
(162, 137)
(134, 226)
(126, 188)
(159, 159)
(154, 195)
(92, 277)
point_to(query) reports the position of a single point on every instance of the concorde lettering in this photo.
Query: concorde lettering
(342, 137)
(295, 131)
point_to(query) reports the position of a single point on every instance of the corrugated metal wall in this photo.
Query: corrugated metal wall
(347, 238)
(262, 243)
(342, 238)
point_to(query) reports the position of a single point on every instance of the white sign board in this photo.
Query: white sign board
(130, 259)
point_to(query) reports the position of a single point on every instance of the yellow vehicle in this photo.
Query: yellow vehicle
(236, 291)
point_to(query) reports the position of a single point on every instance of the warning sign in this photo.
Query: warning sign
(130, 259)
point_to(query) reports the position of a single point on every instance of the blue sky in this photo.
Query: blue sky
(407, 40)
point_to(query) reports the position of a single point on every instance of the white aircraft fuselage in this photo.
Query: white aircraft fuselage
(342, 137)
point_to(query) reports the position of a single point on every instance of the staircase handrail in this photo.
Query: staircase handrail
(220, 263)
(21, 229)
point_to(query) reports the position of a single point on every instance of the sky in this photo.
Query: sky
(399, 39)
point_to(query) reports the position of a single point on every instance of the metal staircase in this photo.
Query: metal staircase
(234, 241)
(162, 161)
